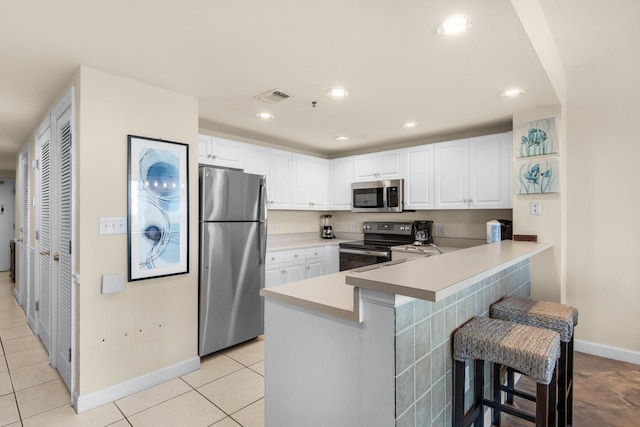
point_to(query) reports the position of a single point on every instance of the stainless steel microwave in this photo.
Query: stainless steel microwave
(377, 196)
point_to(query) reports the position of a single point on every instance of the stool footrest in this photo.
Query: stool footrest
(510, 410)
(518, 393)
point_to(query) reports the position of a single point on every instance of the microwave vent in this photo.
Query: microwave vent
(272, 96)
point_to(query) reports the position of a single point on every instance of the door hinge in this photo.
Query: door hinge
(37, 305)
(37, 235)
(69, 246)
(69, 355)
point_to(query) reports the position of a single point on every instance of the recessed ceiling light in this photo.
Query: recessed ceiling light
(338, 93)
(510, 93)
(342, 138)
(265, 116)
(454, 25)
(409, 125)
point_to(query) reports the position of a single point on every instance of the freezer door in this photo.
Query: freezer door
(229, 195)
(231, 276)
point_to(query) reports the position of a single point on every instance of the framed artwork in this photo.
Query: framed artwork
(539, 175)
(537, 138)
(158, 196)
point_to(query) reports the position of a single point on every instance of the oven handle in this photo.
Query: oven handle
(363, 252)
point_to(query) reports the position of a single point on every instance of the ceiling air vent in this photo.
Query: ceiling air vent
(272, 96)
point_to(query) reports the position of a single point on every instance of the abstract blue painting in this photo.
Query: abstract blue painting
(539, 175)
(537, 138)
(158, 208)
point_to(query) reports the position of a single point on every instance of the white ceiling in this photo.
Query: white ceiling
(226, 52)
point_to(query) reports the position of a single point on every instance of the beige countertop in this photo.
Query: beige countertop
(435, 278)
(327, 294)
(430, 279)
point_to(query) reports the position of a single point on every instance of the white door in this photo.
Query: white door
(44, 234)
(452, 175)
(7, 189)
(419, 175)
(63, 135)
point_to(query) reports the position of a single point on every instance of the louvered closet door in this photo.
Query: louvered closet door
(43, 315)
(63, 333)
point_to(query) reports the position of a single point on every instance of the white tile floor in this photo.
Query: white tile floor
(227, 391)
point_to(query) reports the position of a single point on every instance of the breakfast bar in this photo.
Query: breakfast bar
(372, 348)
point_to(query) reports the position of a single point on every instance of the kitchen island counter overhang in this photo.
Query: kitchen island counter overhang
(376, 350)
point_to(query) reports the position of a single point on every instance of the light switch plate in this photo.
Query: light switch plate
(112, 283)
(113, 225)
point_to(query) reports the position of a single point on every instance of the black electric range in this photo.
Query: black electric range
(379, 238)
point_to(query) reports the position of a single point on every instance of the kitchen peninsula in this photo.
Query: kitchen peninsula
(372, 348)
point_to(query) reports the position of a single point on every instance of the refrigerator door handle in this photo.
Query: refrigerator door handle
(262, 242)
(263, 200)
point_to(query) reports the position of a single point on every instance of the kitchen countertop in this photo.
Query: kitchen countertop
(431, 279)
(327, 294)
(435, 278)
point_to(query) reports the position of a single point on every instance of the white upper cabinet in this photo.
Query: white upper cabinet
(279, 180)
(378, 166)
(341, 177)
(309, 186)
(220, 152)
(256, 160)
(419, 177)
(473, 173)
(490, 168)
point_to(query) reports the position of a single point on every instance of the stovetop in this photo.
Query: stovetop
(382, 235)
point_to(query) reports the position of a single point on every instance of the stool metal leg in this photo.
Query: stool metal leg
(458, 393)
(496, 394)
(478, 391)
(562, 384)
(510, 383)
(570, 382)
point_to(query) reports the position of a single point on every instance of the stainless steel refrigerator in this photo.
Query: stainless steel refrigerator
(233, 239)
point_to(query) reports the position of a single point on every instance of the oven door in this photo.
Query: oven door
(355, 258)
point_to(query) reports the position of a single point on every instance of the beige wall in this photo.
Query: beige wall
(603, 277)
(110, 350)
(464, 223)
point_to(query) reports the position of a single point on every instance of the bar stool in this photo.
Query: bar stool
(532, 351)
(560, 318)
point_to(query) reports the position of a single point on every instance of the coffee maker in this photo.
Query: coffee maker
(327, 230)
(422, 232)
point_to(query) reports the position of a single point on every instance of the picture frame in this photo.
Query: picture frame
(537, 175)
(537, 137)
(158, 208)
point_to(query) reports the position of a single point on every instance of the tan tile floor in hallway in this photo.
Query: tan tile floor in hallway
(227, 391)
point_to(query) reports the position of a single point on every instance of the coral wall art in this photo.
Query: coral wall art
(158, 208)
(536, 138)
(539, 175)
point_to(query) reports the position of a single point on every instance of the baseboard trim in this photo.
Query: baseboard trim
(118, 391)
(609, 352)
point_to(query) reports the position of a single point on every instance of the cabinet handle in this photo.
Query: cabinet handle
(56, 256)
(45, 253)
(284, 270)
(308, 267)
(214, 156)
(295, 256)
(208, 156)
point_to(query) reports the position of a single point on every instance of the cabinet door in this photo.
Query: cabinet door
(490, 171)
(273, 275)
(204, 149)
(256, 160)
(314, 268)
(341, 177)
(452, 175)
(300, 185)
(294, 271)
(226, 153)
(279, 180)
(419, 177)
(390, 164)
(365, 167)
(319, 183)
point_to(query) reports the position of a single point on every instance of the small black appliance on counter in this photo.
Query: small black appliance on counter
(506, 229)
(422, 234)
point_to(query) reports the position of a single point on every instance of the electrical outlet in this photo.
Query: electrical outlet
(466, 379)
(275, 227)
(440, 230)
(353, 226)
(535, 208)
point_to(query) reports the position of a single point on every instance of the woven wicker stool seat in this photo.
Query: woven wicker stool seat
(532, 351)
(557, 317)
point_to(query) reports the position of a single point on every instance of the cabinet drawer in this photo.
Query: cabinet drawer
(295, 255)
(317, 252)
(274, 258)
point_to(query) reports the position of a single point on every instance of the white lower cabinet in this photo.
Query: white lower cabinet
(291, 266)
